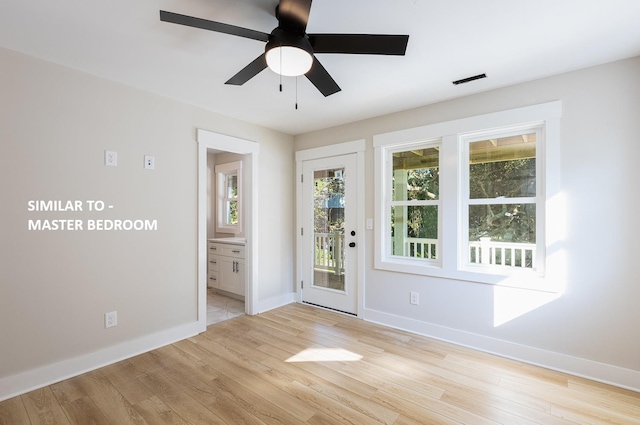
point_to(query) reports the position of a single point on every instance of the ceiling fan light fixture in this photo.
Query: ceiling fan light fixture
(287, 54)
(289, 61)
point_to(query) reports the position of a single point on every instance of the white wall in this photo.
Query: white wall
(592, 328)
(55, 286)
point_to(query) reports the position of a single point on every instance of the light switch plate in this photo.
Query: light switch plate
(111, 158)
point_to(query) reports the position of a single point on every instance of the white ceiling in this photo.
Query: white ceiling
(510, 40)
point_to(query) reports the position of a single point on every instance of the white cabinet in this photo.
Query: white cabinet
(226, 268)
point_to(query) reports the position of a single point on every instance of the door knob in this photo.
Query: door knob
(352, 244)
(353, 233)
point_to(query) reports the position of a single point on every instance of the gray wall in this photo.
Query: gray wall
(594, 323)
(55, 286)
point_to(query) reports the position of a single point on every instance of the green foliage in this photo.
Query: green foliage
(511, 179)
(423, 184)
(327, 220)
(503, 222)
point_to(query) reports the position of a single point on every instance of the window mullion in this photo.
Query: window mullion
(500, 201)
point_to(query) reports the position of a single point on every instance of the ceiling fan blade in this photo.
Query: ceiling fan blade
(365, 44)
(249, 71)
(293, 15)
(321, 79)
(205, 24)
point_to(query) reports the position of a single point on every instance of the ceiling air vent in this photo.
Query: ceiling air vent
(469, 79)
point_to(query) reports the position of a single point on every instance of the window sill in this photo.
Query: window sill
(517, 278)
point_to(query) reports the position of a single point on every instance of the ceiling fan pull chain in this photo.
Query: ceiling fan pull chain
(296, 92)
(280, 72)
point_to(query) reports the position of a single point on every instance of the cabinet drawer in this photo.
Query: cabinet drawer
(213, 248)
(213, 263)
(235, 251)
(212, 280)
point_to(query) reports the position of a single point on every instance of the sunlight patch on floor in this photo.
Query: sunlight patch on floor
(325, 355)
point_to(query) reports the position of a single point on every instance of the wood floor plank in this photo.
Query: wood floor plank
(173, 396)
(155, 412)
(306, 372)
(43, 408)
(415, 412)
(214, 397)
(274, 393)
(341, 413)
(112, 404)
(413, 391)
(303, 365)
(83, 411)
(13, 412)
(258, 404)
(131, 388)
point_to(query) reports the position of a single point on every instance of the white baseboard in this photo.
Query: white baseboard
(275, 302)
(23, 382)
(601, 372)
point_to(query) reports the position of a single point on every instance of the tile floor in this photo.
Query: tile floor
(221, 308)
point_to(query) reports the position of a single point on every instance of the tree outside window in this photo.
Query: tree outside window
(415, 201)
(501, 202)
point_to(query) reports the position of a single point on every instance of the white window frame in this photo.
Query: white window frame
(453, 168)
(389, 202)
(465, 140)
(222, 171)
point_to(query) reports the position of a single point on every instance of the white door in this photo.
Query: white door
(329, 217)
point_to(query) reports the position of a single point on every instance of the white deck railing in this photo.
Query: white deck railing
(329, 252)
(421, 248)
(484, 251)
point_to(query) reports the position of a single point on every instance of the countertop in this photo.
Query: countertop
(233, 241)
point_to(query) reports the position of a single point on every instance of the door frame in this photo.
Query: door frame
(357, 147)
(209, 140)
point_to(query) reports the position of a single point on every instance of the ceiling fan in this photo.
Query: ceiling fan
(290, 51)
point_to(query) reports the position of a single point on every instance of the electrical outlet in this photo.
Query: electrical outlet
(111, 319)
(111, 158)
(415, 298)
(149, 162)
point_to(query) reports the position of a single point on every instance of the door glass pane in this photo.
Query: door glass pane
(328, 219)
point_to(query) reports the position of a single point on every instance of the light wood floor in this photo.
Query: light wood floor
(301, 365)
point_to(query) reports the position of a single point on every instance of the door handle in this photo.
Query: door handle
(352, 244)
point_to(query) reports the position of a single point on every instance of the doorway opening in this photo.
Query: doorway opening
(227, 225)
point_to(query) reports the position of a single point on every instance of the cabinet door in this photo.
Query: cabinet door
(231, 275)
(212, 279)
(240, 276)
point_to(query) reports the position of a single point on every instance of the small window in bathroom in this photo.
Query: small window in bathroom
(229, 197)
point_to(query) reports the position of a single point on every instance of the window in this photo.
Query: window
(413, 202)
(467, 199)
(500, 200)
(229, 197)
